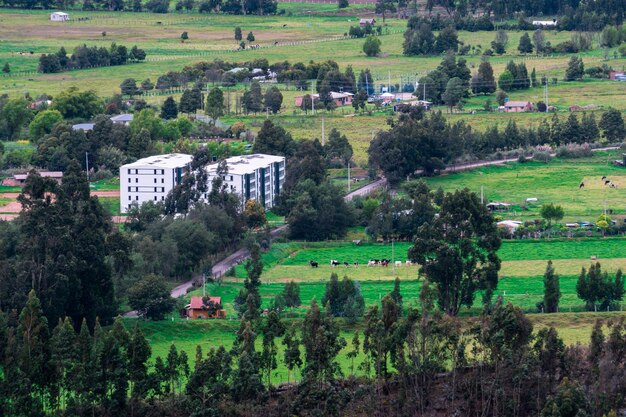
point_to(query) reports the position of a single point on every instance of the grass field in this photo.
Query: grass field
(555, 182)
(186, 335)
(111, 205)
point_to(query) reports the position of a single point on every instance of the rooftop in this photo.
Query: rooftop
(44, 174)
(172, 160)
(197, 302)
(120, 118)
(246, 163)
(516, 103)
(84, 126)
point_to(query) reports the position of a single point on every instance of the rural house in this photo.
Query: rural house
(59, 17)
(364, 22)
(205, 308)
(123, 119)
(545, 23)
(518, 106)
(18, 180)
(341, 99)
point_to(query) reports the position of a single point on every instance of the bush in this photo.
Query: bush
(101, 174)
(542, 156)
(574, 150)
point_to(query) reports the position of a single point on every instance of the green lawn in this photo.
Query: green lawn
(112, 184)
(111, 205)
(555, 182)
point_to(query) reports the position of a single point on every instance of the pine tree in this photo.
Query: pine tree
(65, 359)
(589, 131)
(6, 68)
(138, 354)
(291, 355)
(246, 383)
(169, 110)
(238, 36)
(533, 78)
(215, 104)
(356, 346)
(396, 295)
(485, 82)
(575, 69)
(252, 99)
(271, 328)
(551, 290)
(525, 45)
(250, 37)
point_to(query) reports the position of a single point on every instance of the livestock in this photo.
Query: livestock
(285, 25)
(356, 264)
(384, 262)
(313, 264)
(603, 177)
(398, 263)
(607, 181)
(334, 263)
(612, 185)
(346, 264)
(408, 263)
(371, 262)
(582, 185)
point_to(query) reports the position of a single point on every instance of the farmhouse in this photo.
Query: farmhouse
(17, 180)
(59, 17)
(363, 22)
(341, 99)
(123, 119)
(495, 206)
(518, 106)
(617, 76)
(151, 178)
(253, 177)
(205, 308)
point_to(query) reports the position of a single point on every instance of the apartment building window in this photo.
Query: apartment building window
(155, 198)
(136, 198)
(129, 180)
(162, 180)
(155, 180)
(136, 179)
(155, 189)
(162, 198)
(129, 189)
(231, 177)
(129, 198)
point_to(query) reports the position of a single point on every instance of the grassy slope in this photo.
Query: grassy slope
(555, 182)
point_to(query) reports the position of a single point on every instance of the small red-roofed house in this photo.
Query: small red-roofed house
(205, 308)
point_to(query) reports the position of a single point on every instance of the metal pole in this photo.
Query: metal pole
(312, 100)
(348, 176)
(87, 164)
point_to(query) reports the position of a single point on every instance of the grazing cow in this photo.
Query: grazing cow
(603, 177)
(346, 264)
(607, 182)
(334, 263)
(285, 25)
(582, 185)
(313, 264)
(356, 264)
(398, 263)
(371, 262)
(408, 263)
(612, 185)
(275, 43)
(384, 262)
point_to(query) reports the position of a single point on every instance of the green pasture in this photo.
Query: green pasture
(5, 201)
(111, 184)
(111, 205)
(573, 328)
(554, 182)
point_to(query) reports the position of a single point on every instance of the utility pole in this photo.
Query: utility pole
(323, 133)
(389, 82)
(348, 176)
(312, 100)
(87, 164)
(546, 93)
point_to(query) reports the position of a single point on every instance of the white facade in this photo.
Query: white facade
(59, 17)
(151, 179)
(254, 177)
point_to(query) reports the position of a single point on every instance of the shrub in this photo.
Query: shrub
(574, 150)
(542, 156)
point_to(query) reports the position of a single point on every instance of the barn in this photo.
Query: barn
(59, 17)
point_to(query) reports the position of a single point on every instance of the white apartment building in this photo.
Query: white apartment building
(151, 179)
(254, 177)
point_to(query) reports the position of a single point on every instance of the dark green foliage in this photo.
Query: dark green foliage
(420, 41)
(248, 301)
(271, 328)
(575, 69)
(169, 109)
(190, 101)
(252, 100)
(612, 125)
(484, 82)
(292, 357)
(215, 104)
(343, 298)
(273, 99)
(250, 37)
(569, 401)
(338, 147)
(238, 36)
(597, 289)
(551, 212)
(458, 251)
(6, 68)
(291, 293)
(525, 45)
(88, 57)
(151, 298)
(273, 140)
(551, 290)
(129, 87)
(322, 344)
(371, 47)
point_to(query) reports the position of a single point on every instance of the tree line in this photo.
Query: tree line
(89, 57)
(428, 142)
(403, 361)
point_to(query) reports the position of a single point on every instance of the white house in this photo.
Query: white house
(59, 17)
(151, 179)
(545, 23)
(254, 177)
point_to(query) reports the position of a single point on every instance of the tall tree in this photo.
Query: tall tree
(551, 289)
(525, 45)
(252, 100)
(271, 328)
(485, 83)
(215, 104)
(169, 110)
(612, 125)
(273, 140)
(575, 69)
(273, 99)
(458, 251)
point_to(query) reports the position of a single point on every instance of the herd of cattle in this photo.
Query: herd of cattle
(604, 179)
(372, 262)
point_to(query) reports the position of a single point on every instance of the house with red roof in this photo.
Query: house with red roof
(205, 308)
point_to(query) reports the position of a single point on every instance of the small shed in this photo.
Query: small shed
(123, 119)
(363, 22)
(205, 308)
(496, 206)
(59, 17)
(518, 106)
(20, 179)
